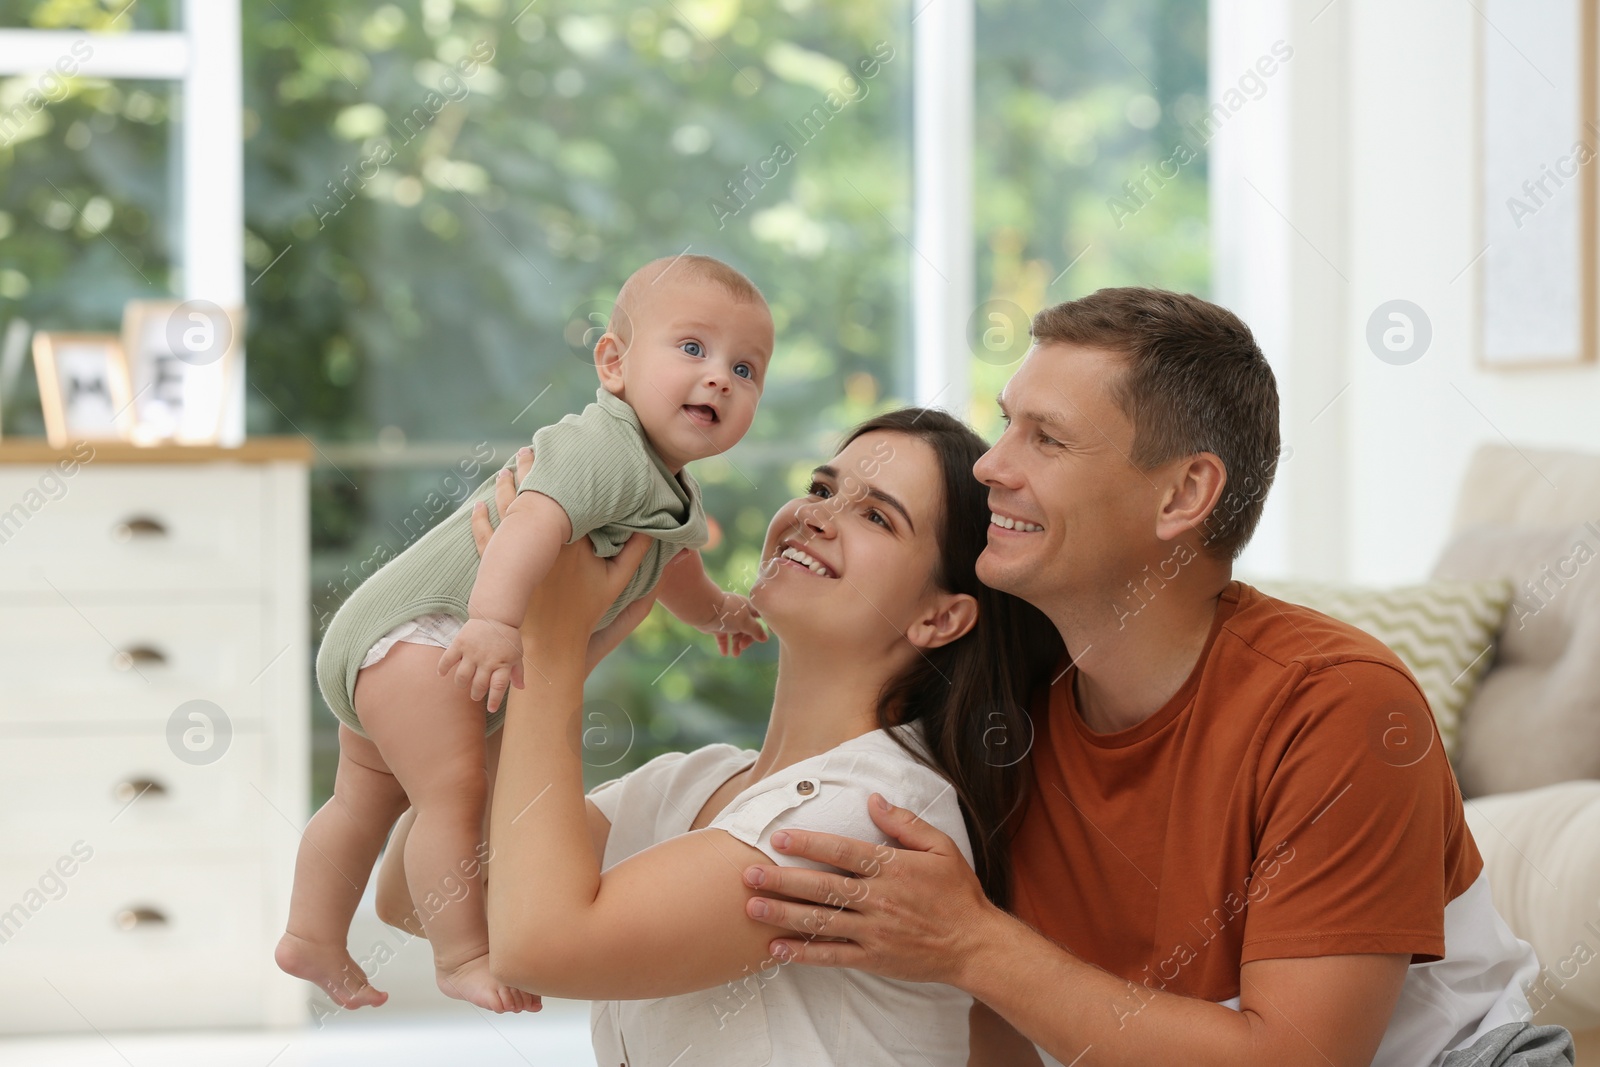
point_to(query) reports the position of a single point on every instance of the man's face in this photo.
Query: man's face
(1085, 514)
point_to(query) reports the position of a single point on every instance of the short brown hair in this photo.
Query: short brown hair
(1193, 381)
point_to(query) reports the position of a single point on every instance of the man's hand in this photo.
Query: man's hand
(487, 657)
(914, 913)
(918, 914)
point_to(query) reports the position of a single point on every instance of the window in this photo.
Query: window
(1089, 169)
(436, 193)
(121, 176)
(436, 197)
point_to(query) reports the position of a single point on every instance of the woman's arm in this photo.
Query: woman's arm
(485, 656)
(393, 897)
(668, 920)
(394, 903)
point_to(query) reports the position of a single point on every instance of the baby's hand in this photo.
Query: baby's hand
(734, 624)
(489, 655)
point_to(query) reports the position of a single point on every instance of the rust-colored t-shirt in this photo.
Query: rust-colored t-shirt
(1291, 799)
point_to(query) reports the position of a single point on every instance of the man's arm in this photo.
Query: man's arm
(923, 917)
(995, 1042)
(1315, 1010)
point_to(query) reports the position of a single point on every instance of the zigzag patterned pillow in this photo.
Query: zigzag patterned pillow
(1444, 632)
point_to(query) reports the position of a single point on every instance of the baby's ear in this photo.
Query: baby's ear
(608, 355)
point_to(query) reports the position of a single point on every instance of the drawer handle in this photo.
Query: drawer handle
(134, 918)
(130, 789)
(139, 656)
(141, 526)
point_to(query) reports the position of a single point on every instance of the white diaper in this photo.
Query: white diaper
(438, 629)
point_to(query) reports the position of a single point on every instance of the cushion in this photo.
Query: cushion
(1518, 485)
(1444, 632)
(1541, 853)
(1536, 717)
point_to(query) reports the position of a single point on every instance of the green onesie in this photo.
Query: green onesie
(603, 472)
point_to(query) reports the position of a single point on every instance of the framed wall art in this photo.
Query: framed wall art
(182, 356)
(1539, 145)
(84, 387)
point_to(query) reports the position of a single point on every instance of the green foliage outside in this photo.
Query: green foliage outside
(435, 191)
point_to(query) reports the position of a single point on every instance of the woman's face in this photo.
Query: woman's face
(853, 562)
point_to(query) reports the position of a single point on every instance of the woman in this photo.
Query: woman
(899, 673)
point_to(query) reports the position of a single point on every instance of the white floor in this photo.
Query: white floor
(418, 1027)
(556, 1036)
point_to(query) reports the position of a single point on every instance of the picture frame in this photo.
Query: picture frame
(84, 387)
(1538, 276)
(182, 359)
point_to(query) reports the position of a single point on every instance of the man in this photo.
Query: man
(1243, 843)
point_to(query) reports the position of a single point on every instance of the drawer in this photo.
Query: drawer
(184, 527)
(129, 944)
(131, 795)
(89, 661)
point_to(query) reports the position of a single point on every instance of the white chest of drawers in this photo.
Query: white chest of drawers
(154, 733)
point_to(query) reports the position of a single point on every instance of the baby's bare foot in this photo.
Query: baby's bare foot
(472, 982)
(329, 967)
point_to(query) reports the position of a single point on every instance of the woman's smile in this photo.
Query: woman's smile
(797, 557)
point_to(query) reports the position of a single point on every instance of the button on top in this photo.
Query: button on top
(805, 787)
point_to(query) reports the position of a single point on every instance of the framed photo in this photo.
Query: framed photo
(83, 386)
(1538, 143)
(182, 357)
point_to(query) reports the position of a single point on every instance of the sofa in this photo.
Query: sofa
(1527, 753)
(1504, 639)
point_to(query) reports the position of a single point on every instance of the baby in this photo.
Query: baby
(682, 365)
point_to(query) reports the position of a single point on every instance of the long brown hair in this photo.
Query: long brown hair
(971, 695)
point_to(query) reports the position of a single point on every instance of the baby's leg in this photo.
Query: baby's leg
(431, 735)
(337, 851)
(393, 895)
(394, 902)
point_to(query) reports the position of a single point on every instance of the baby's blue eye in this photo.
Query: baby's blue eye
(747, 370)
(694, 348)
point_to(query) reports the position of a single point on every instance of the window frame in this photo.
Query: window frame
(205, 59)
(943, 244)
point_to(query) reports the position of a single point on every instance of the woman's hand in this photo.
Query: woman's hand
(576, 592)
(602, 642)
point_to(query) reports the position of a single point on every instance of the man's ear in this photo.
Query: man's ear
(950, 618)
(1194, 492)
(608, 355)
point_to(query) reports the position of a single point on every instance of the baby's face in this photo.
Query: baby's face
(695, 368)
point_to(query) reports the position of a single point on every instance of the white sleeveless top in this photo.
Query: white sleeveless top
(787, 1014)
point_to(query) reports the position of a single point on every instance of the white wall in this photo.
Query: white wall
(1278, 216)
(1375, 155)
